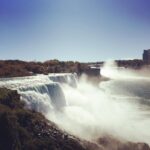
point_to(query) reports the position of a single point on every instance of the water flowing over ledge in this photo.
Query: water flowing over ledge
(41, 91)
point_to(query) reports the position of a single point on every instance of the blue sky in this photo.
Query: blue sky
(82, 30)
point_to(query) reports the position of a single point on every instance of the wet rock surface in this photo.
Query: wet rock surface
(110, 143)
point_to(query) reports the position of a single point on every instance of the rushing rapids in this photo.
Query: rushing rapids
(41, 92)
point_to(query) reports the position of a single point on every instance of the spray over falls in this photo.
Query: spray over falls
(115, 108)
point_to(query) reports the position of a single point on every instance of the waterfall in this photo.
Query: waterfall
(70, 79)
(41, 93)
(107, 109)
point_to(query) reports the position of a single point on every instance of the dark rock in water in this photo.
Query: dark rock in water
(92, 72)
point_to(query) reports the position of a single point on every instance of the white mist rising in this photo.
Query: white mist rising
(92, 112)
(117, 107)
(112, 71)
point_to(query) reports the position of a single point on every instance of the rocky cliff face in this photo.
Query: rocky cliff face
(22, 129)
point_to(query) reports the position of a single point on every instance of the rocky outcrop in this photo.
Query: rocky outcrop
(110, 143)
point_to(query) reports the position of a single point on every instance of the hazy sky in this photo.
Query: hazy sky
(83, 30)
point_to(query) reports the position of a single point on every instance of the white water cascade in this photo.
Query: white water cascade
(116, 107)
(41, 93)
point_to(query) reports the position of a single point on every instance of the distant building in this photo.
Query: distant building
(146, 56)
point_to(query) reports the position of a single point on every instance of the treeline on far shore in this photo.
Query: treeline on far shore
(16, 68)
